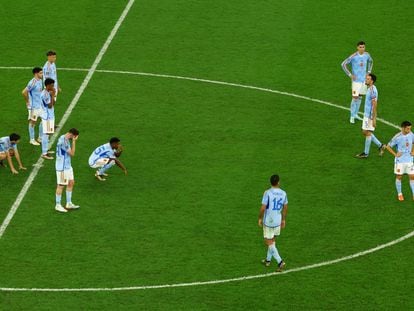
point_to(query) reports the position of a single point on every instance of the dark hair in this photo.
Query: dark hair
(405, 124)
(50, 53)
(14, 137)
(373, 77)
(49, 81)
(37, 70)
(114, 140)
(360, 43)
(74, 131)
(274, 180)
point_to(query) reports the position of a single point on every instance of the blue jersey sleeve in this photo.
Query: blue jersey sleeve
(265, 200)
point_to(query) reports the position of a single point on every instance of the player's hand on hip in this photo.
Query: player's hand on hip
(353, 77)
(399, 154)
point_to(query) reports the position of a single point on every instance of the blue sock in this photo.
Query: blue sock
(398, 186)
(353, 103)
(45, 143)
(58, 198)
(367, 144)
(31, 132)
(412, 186)
(104, 168)
(357, 105)
(375, 140)
(68, 196)
(275, 253)
(269, 253)
(40, 129)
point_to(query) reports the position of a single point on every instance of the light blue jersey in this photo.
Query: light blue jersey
(49, 71)
(5, 144)
(34, 88)
(62, 155)
(359, 64)
(372, 93)
(48, 113)
(403, 144)
(104, 151)
(274, 199)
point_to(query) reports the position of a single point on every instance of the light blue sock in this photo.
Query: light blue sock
(269, 253)
(375, 140)
(31, 132)
(367, 144)
(398, 186)
(40, 129)
(45, 143)
(58, 198)
(104, 168)
(275, 253)
(412, 186)
(353, 103)
(357, 105)
(68, 196)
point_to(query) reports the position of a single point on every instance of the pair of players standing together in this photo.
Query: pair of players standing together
(40, 102)
(273, 211)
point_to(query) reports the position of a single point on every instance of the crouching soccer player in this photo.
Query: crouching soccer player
(106, 156)
(272, 217)
(8, 149)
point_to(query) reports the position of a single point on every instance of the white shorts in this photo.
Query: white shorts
(63, 177)
(100, 162)
(269, 233)
(48, 126)
(367, 124)
(359, 88)
(34, 114)
(404, 168)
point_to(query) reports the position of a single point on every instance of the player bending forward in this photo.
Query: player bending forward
(8, 149)
(272, 217)
(106, 156)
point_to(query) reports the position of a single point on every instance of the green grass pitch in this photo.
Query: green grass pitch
(199, 156)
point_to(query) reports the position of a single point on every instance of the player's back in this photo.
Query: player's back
(4, 143)
(275, 199)
(103, 151)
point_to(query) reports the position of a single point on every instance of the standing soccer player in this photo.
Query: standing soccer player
(370, 118)
(31, 94)
(404, 143)
(64, 171)
(360, 61)
(49, 70)
(272, 217)
(48, 116)
(106, 156)
(8, 149)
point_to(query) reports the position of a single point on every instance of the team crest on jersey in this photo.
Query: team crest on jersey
(361, 64)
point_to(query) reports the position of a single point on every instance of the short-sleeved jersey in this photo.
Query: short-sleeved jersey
(274, 199)
(372, 93)
(48, 113)
(62, 155)
(34, 88)
(403, 144)
(5, 144)
(49, 71)
(361, 65)
(104, 151)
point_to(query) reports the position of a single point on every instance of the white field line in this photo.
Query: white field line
(65, 117)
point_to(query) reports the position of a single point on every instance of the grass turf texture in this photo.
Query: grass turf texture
(199, 157)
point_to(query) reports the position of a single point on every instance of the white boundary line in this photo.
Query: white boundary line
(65, 117)
(238, 279)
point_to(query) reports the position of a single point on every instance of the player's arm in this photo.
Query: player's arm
(374, 112)
(370, 63)
(284, 214)
(9, 160)
(344, 66)
(261, 213)
(25, 94)
(17, 155)
(72, 150)
(52, 98)
(391, 150)
(121, 166)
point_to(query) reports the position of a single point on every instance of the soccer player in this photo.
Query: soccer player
(64, 171)
(48, 116)
(31, 94)
(272, 217)
(404, 143)
(49, 70)
(361, 64)
(8, 149)
(106, 156)
(370, 118)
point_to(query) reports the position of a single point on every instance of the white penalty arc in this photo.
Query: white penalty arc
(228, 280)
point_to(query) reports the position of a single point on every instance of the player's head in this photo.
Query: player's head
(14, 138)
(361, 47)
(37, 72)
(274, 180)
(406, 127)
(370, 79)
(51, 56)
(114, 142)
(49, 84)
(73, 132)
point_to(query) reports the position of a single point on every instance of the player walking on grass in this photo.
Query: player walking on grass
(404, 144)
(31, 94)
(49, 70)
(64, 171)
(272, 218)
(106, 156)
(48, 116)
(361, 64)
(370, 118)
(8, 149)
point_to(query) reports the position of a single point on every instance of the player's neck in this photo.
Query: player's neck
(360, 53)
